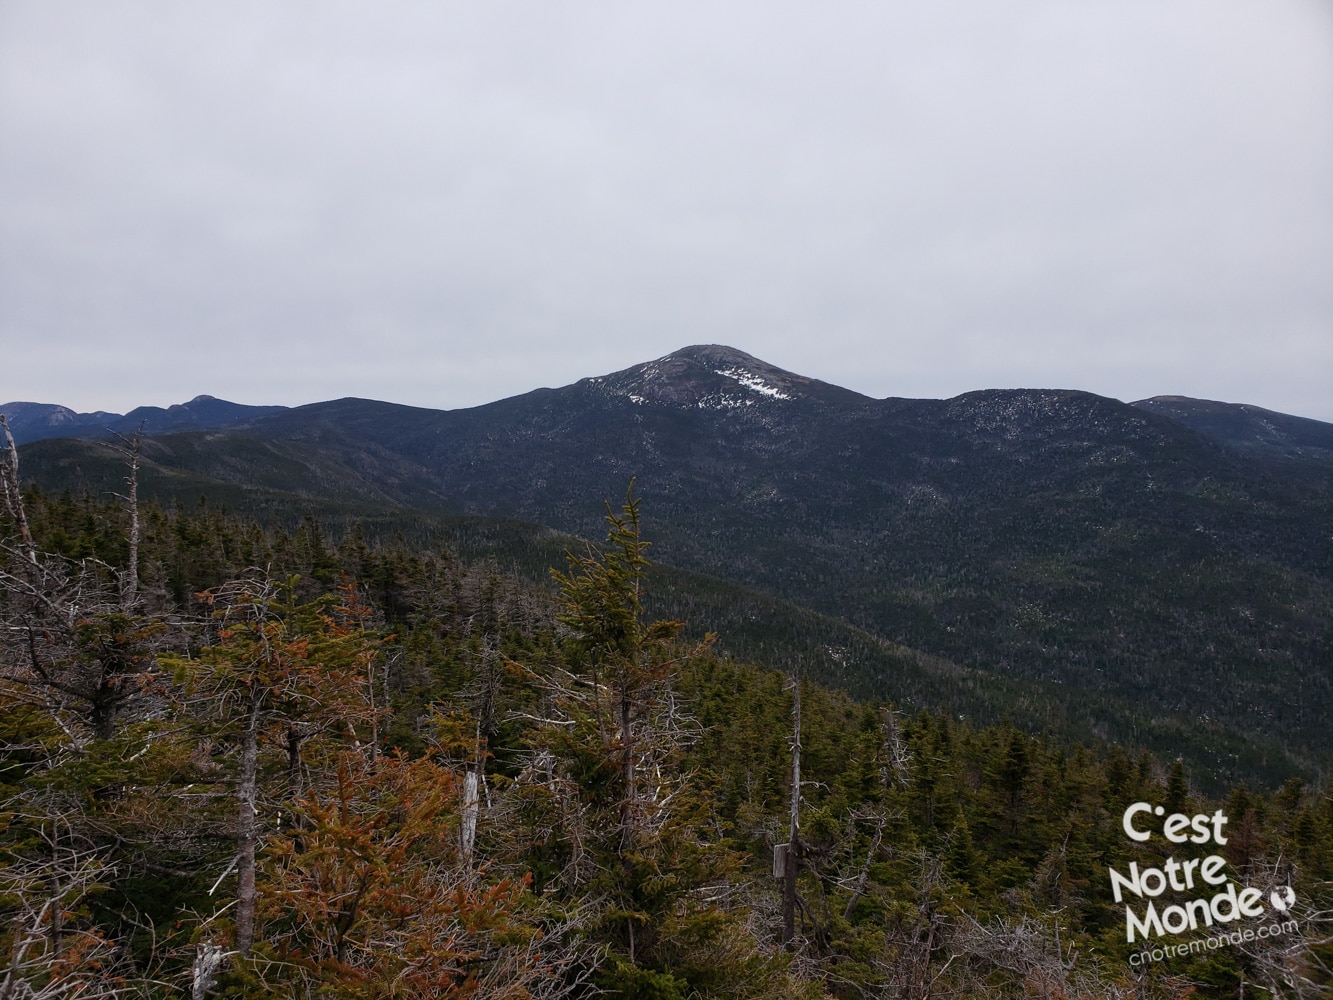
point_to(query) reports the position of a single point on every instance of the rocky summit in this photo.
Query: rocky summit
(715, 377)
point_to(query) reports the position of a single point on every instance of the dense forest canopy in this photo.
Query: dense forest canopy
(242, 760)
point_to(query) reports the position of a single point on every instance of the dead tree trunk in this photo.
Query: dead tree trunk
(130, 582)
(203, 976)
(793, 857)
(247, 832)
(9, 481)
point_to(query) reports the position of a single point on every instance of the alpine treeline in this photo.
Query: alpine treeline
(267, 762)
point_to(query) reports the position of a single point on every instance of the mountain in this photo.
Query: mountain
(40, 421)
(36, 421)
(1247, 428)
(1117, 571)
(716, 377)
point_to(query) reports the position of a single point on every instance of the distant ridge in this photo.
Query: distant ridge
(702, 376)
(1245, 427)
(39, 421)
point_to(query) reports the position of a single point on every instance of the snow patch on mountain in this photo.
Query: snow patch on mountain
(752, 382)
(724, 401)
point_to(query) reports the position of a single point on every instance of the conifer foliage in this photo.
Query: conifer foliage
(614, 740)
(370, 770)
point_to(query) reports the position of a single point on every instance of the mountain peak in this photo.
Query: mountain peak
(715, 354)
(715, 376)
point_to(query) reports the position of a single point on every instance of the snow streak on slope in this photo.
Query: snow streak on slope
(751, 382)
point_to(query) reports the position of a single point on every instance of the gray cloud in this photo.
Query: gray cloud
(443, 204)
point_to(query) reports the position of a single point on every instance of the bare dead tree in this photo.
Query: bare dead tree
(897, 769)
(129, 580)
(72, 644)
(484, 698)
(1287, 961)
(208, 961)
(790, 853)
(9, 487)
(1024, 947)
(858, 887)
(51, 951)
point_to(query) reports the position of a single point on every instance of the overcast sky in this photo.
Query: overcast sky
(448, 203)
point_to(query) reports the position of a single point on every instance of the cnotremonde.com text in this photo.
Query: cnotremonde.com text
(1214, 942)
(1193, 875)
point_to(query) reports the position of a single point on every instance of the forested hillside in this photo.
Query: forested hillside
(1157, 574)
(246, 761)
